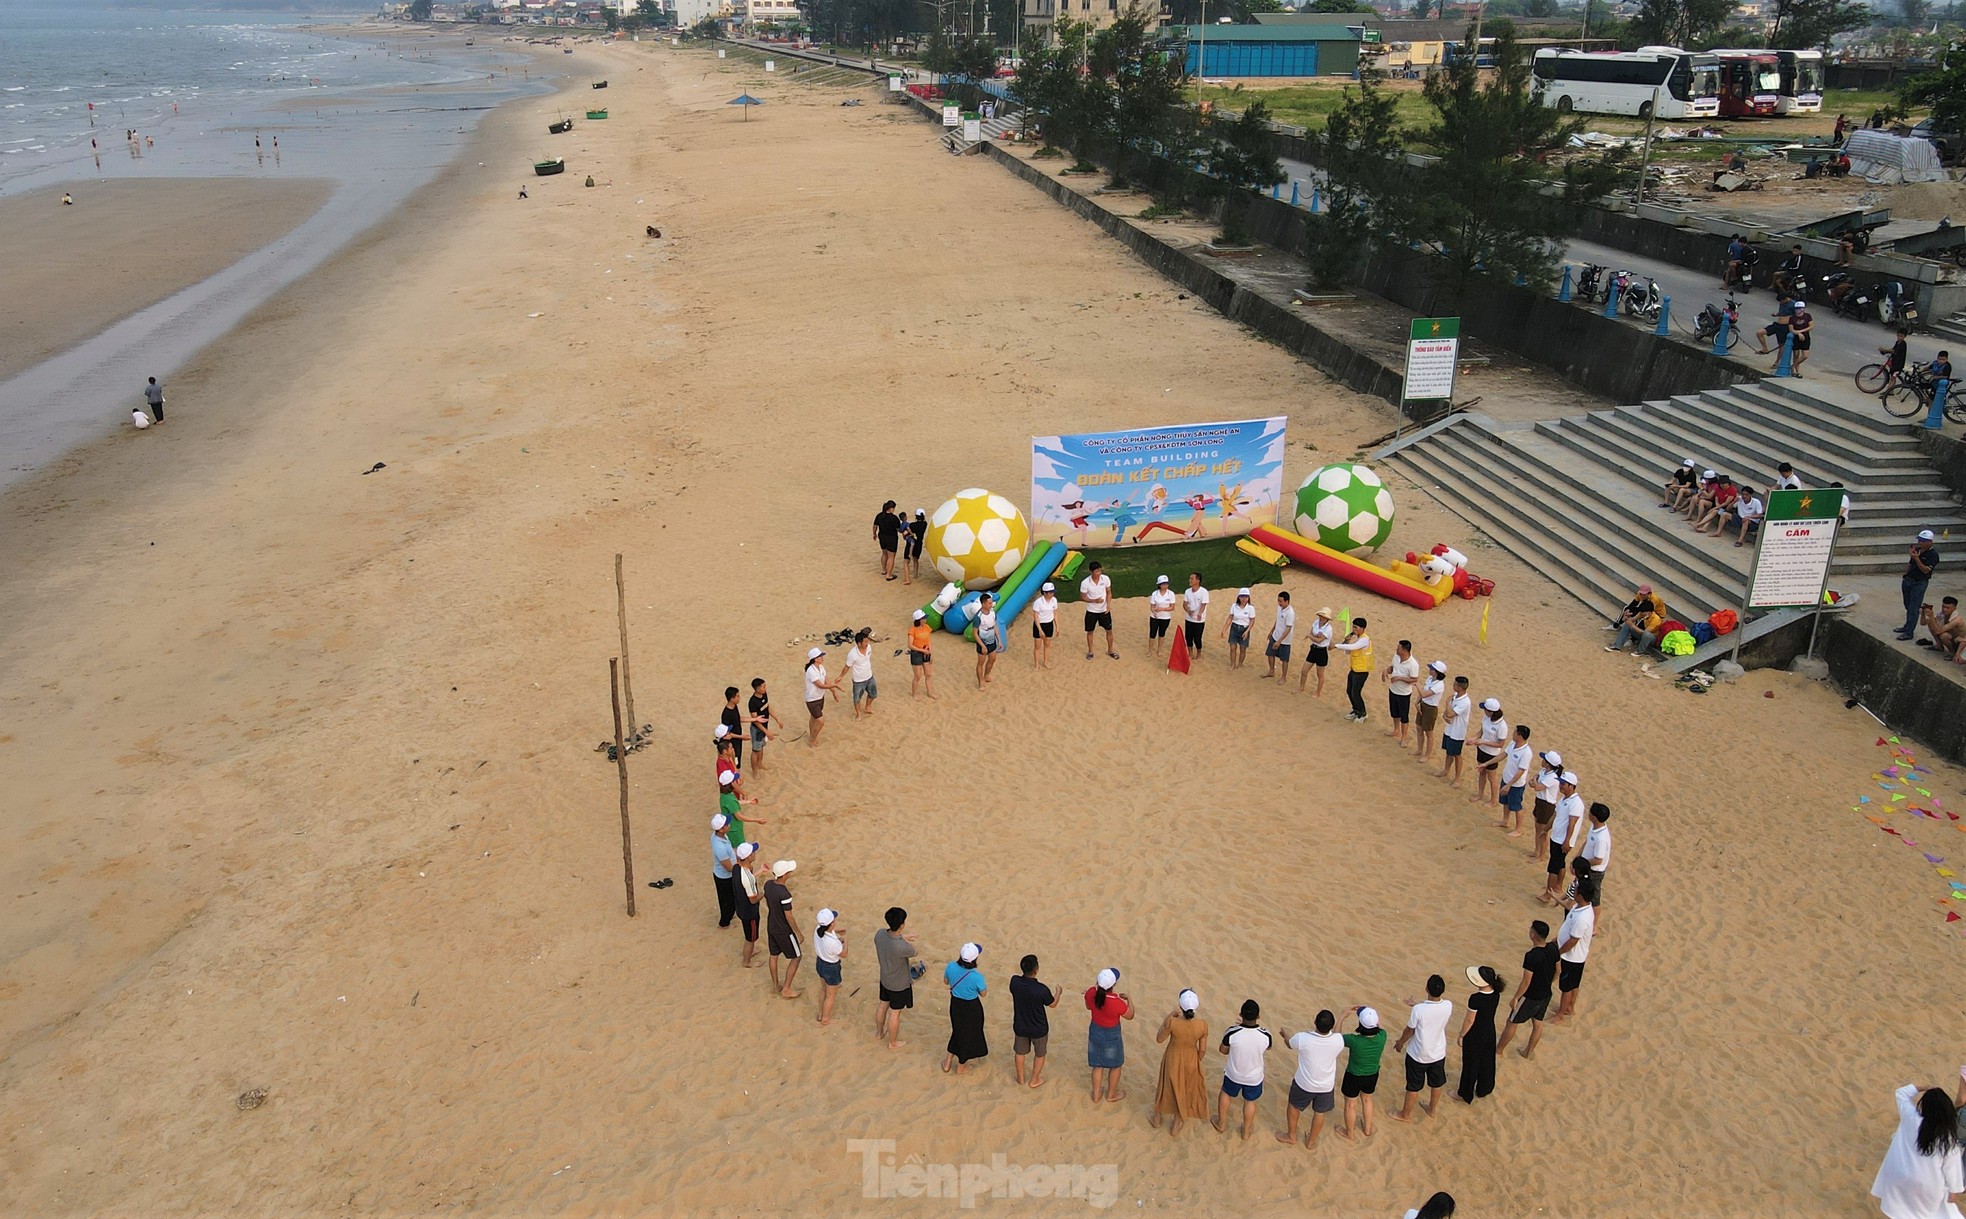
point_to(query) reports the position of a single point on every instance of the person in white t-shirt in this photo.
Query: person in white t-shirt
(1514, 781)
(989, 638)
(1454, 733)
(829, 948)
(1425, 1042)
(1786, 478)
(1494, 739)
(1315, 1085)
(1400, 678)
(1317, 650)
(1597, 849)
(1160, 613)
(1546, 785)
(1044, 623)
(1566, 827)
(1574, 939)
(1245, 1044)
(860, 671)
(1194, 612)
(816, 687)
(1282, 631)
(1242, 619)
(1432, 691)
(1096, 594)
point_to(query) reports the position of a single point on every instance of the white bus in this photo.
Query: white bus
(1625, 82)
(1802, 82)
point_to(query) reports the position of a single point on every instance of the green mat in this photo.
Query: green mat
(1132, 568)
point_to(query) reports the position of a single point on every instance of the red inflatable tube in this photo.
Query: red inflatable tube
(1344, 567)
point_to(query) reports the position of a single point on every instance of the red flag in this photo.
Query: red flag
(1177, 656)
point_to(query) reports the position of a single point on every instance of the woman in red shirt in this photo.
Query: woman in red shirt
(1105, 1049)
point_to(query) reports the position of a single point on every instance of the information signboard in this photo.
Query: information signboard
(1433, 351)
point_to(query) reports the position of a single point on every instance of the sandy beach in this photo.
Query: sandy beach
(304, 794)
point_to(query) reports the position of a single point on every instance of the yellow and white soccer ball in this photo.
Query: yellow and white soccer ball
(977, 539)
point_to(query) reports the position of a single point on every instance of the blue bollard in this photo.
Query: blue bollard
(1938, 413)
(1276, 190)
(1785, 363)
(1314, 206)
(1563, 289)
(1293, 194)
(1665, 312)
(1720, 335)
(1611, 299)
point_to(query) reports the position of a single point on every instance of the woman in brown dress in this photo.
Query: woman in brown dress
(1181, 1091)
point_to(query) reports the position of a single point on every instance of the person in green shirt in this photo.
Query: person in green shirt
(731, 806)
(1364, 1049)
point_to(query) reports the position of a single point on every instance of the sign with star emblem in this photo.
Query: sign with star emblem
(1792, 556)
(1433, 350)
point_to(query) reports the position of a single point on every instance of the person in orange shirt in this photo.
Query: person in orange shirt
(921, 669)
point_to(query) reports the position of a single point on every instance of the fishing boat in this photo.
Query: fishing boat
(548, 168)
(600, 84)
(597, 114)
(561, 127)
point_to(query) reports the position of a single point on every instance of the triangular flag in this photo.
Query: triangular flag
(1899, 796)
(1952, 916)
(1894, 740)
(1880, 740)
(1930, 858)
(1947, 872)
(1177, 656)
(1863, 799)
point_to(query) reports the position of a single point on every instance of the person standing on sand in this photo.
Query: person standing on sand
(828, 949)
(1533, 997)
(1044, 624)
(914, 534)
(1315, 1085)
(1277, 652)
(921, 657)
(1478, 1034)
(1364, 1049)
(1160, 612)
(1194, 607)
(1454, 733)
(966, 983)
(1514, 781)
(1318, 654)
(1105, 1047)
(1245, 1044)
(153, 394)
(1181, 1092)
(860, 670)
(989, 639)
(887, 535)
(894, 949)
(762, 719)
(1400, 677)
(1439, 1206)
(1425, 1042)
(1564, 831)
(816, 688)
(784, 941)
(733, 720)
(1242, 615)
(1096, 594)
(749, 889)
(1489, 747)
(1030, 1024)
(1358, 647)
(1548, 784)
(1574, 939)
(723, 857)
(1922, 1168)
(1432, 690)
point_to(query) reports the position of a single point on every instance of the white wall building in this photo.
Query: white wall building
(756, 12)
(689, 12)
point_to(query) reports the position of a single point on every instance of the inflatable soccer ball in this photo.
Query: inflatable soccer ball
(1345, 507)
(977, 539)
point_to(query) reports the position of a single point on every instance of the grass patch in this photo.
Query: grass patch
(1132, 568)
(1161, 211)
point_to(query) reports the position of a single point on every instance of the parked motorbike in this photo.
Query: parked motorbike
(1707, 324)
(1589, 282)
(1744, 277)
(1643, 301)
(1858, 303)
(1896, 307)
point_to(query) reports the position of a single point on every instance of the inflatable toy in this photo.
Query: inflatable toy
(1441, 589)
(977, 538)
(1074, 563)
(1344, 567)
(956, 619)
(1344, 507)
(933, 609)
(1018, 592)
(1261, 553)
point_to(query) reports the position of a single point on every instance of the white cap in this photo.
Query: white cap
(1925, 535)
(825, 917)
(783, 868)
(815, 654)
(921, 512)
(726, 777)
(1368, 1018)
(723, 730)
(1491, 704)
(1552, 759)
(746, 849)
(970, 952)
(1189, 1001)
(1048, 587)
(1438, 666)
(1160, 579)
(1568, 776)
(1708, 474)
(1108, 978)
(1690, 463)
(718, 821)
(1241, 592)
(919, 615)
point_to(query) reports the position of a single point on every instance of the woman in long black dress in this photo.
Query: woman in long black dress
(966, 987)
(1478, 1034)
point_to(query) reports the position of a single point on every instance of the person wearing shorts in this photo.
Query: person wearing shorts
(1539, 968)
(1044, 620)
(761, 721)
(887, 535)
(1546, 786)
(1489, 747)
(921, 658)
(1432, 690)
(1364, 1049)
(1314, 1086)
(1454, 733)
(748, 889)
(1030, 1024)
(1096, 594)
(1565, 828)
(894, 950)
(1194, 612)
(1574, 942)
(816, 688)
(860, 668)
(1400, 677)
(1317, 652)
(1424, 1041)
(1277, 651)
(1514, 781)
(1242, 616)
(1160, 614)
(913, 534)
(1242, 1078)
(779, 934)
(828, 949)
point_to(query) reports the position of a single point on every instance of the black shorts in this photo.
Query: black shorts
(1359, 1085)
(900, 1000)
(1530, 1009)
(1544, 812)
(1801, 340)
(1318, 656)
(889, 545)
(816, 708)
(917, 659)
(1569, 975)
(1156, 627)
(750, 924)
(1558, 858)
(1042, 630)
(1400, 706)
(1777, 333)
(1487, 759)
(1317, 1102)
(1092, 620)
(783, 943)
(1425, 1074)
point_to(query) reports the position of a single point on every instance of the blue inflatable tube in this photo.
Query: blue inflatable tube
(956, 618)
(1014, 601)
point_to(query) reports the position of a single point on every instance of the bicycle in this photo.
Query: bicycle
(1872, 378)
(1910, 395)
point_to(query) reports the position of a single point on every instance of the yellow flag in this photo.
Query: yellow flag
(1484, 621)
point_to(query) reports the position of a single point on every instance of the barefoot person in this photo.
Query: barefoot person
(1030, 1023)
(816, 689)
(749, 890)
(1532, 1001)
(1454, 733)
(1565, 829)
(1315, 1086)
(1044, 623)
(1242, 618)
(894, 949)
(1160, 615)
(1921, 1172)
(966, 983)
(1194, 612)
(887, 535)
(1478, 1047)
(921, 657)
(1105, 1048)
(1574, 941)
(1363, 1051)
(1432, 690)
(1245, 1044)
(1282, 631)
(762, 718)
(860, 670)
(1096, 594)
(828, 949)
(1357, 647)
(1548, 787)
(723, 862)
(1181, 1093)
(1400, 677)
(1318, 654)
(1515, 781)
(989, 639)
(1425, 1041)
(913, 534)
(779, 933)
(1489, 746)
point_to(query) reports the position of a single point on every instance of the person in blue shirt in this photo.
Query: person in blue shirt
(966, 986)
(1778, 329)
(1735, 249)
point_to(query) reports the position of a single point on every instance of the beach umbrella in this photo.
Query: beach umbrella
(747, 101)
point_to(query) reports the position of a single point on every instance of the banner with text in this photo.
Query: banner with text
(1160, 484)
(1791, 561)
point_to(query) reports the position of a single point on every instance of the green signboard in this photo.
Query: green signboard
(1792, 556)
(1433, 351)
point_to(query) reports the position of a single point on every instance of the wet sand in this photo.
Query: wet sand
(72, 271)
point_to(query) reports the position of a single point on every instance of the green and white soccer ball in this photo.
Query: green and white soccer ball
(1346, 507)
(976, 539)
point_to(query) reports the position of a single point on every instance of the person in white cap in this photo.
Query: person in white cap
(1160, 614)
(723, 858)
(1432, 689)
(1681, 478)
(1566, 826)
(1181, 1093)
(779, 932)
(1244, 1044)
(828, 949)
(1194, 612)
(1105, 1047)
(1454, 732)
(1364, 1050)
(749, 889)
(1924, 559)
(1044, 624)
(1546, 783)
(1276, 653)
(913, 534)
(966, 983)
(1315, 1085)
(1400, 677)
(1317, 650)
(1242, 617)
(921, 656)
(860, 670)
(816, 688)
(1493, 739)
(731, 804)
(1514, 783)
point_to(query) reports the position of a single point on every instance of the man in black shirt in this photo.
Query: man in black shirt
(1532, 994)
(761, 722)
(1918, 573)
(1788, 275)
(1685, 476)
(887, 533)
(1028, 1022)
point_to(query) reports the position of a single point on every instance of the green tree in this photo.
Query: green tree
(1915, 13)
(1242, 160)
(1678, 22)
(1494, 204)
(1422, 7)
(1539, 8)
(705, 29)
(1134, 86)
(1339, 6)
(1802, 24)
(1365, 179)
(420, 10)
(1943, 90)
(963, 63)
(610, 19)
(1050, 89)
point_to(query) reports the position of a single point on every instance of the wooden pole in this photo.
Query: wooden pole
(621, 768)
(621, 615)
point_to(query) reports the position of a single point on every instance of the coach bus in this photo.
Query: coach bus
(1802, 82)
(1687, 85)
(1750, 83)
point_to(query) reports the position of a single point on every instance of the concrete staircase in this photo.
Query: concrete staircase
(1953, 328)
(1575, 497)
(993, 129)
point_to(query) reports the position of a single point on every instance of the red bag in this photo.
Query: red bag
(1724, 621)
(1668, 627)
